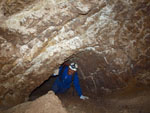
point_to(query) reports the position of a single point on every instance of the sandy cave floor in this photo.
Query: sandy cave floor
(132, 99)
(112, 103)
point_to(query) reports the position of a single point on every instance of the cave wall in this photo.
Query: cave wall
(36, 38)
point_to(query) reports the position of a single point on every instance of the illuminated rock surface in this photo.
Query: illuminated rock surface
(110, 40)
(48, 103)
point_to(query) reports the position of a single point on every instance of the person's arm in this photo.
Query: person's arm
(78, 88)
(76, 84)
(57, 71)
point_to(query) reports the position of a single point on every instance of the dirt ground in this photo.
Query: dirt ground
(117, 102)
(133, 99)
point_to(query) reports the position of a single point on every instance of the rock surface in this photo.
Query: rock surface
(48, 103)
(109, 39)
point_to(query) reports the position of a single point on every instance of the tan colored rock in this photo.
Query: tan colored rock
(36, 38)
(48, 103)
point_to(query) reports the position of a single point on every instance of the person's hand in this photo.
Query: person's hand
(83, 97)
(56, 72)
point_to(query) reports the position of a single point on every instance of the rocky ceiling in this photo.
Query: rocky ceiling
(110, 40)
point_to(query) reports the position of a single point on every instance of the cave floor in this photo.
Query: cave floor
(117, 102)
(133, 99)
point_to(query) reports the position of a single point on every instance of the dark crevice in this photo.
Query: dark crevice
(42, 89)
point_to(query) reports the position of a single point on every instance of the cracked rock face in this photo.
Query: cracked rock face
(110, 40)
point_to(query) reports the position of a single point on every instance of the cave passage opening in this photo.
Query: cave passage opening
(90, 80)
(70, 97)
(101, 89)
(42, 89)
(46, 86)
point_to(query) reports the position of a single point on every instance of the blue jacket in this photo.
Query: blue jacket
(63, 82)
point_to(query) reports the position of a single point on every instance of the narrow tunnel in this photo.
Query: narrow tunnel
(123, 93)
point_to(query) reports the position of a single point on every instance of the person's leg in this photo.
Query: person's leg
(56, 86)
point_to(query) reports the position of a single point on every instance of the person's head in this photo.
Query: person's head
(72, 68)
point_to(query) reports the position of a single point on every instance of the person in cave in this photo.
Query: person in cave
(67, 74)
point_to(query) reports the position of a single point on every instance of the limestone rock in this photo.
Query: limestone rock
(48, 103)
(36, 37)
